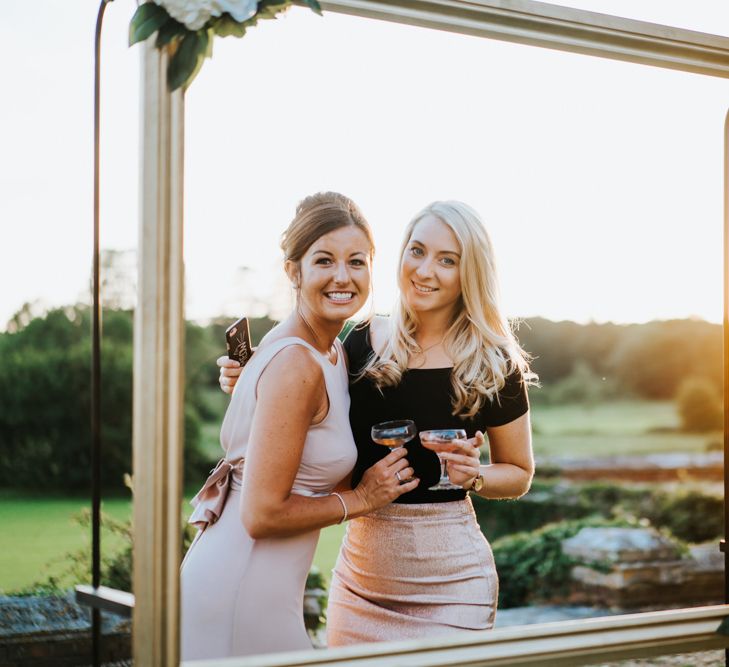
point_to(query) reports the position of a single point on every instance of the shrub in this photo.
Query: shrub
(689, 514)
(45, 402)
(699, 405)
(116, 562)
(532, 566)
(548, 502)
(582, 385)
(538, 508)
(315, 614)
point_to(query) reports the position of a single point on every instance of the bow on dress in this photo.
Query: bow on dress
(210, 499)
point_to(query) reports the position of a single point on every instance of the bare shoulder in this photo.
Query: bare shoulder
(379, 330)
(293, 369)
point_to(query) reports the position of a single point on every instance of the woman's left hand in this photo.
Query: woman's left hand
(464, 460)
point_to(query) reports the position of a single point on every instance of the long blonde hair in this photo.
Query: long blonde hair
(480, 340)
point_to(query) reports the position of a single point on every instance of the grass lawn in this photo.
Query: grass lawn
(38, 532)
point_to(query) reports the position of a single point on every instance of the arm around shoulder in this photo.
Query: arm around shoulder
(379, 329)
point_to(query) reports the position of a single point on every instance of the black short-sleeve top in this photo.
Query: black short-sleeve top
(423, 395)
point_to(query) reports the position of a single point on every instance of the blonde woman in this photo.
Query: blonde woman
(446, 359)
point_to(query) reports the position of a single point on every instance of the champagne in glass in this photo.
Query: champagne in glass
(442, 440)
(394, 434)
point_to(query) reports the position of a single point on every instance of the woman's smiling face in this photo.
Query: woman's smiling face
(430, 273)
(334, 274)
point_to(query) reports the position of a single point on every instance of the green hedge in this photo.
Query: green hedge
(690, 514)
(45, 401)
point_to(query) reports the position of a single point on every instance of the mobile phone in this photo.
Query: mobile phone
(238, 341)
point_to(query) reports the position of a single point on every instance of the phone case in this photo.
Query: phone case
(238, 341)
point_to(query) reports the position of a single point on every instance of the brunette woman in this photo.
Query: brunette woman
(287, 445)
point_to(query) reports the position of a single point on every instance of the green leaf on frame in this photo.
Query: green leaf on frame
(168, 32)
(226, 26)
(146, 21)
(187, 60)
(210, 34)
(314, 6)
(269, 10)
(203, 48)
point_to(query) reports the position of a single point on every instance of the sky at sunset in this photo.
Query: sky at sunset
(599, 181)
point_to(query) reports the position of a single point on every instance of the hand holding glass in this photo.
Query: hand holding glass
(394, 434)
(442, 440)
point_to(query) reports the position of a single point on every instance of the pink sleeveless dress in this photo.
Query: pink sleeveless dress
(241, 596)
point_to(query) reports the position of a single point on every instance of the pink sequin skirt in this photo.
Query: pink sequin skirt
(412, 571)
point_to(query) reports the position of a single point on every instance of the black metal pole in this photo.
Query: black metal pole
(96, 362)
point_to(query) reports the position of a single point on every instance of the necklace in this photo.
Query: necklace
(308, 326)
(420, 353)
(423, 350)
(330, 352)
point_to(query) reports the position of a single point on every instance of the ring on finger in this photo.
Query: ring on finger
(397, 474)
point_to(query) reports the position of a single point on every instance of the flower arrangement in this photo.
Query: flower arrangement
(187, 28)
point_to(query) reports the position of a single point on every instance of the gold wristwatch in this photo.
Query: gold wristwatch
(476, 485)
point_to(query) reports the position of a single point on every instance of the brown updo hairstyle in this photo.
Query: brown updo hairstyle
(318, 215)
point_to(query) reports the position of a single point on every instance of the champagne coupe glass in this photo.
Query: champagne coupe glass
(394, 434)
(441, 440)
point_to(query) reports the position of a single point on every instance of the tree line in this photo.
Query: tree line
(45, 370)
(648, 361)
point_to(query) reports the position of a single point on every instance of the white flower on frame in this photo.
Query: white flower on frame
(194, 14)
(240, 10)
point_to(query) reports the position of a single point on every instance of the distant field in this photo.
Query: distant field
(615, 417)
(38, 532)
(639, 427)
(617, 444)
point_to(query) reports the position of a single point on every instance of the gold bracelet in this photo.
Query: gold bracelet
(344, 506)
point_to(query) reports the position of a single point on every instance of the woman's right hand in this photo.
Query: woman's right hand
(230, 371)
(380, 484)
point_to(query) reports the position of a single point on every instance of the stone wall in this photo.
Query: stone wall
(639, 568)
(53, 631)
